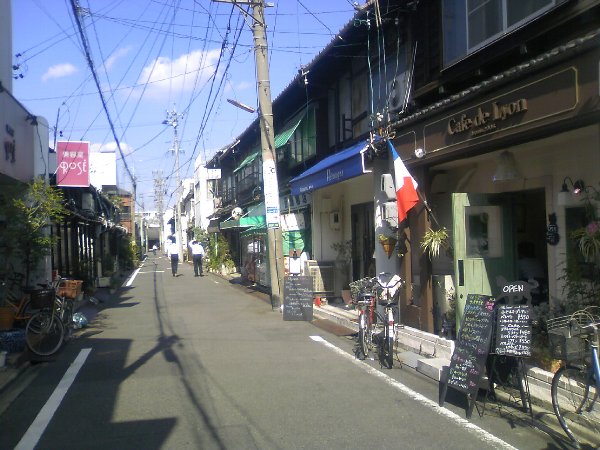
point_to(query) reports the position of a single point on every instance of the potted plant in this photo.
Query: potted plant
(434, 241)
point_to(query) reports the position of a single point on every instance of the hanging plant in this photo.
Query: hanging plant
(434, 241)
(589, 241)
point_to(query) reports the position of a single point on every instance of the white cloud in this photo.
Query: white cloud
(118, 54)
(241, 86)
(170, 77)
(59, 71)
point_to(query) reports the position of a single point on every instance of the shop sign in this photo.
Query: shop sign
(295, 202)
(527, 106)
(485, 118)
(72, 159)
(9, 145)
(213, 174)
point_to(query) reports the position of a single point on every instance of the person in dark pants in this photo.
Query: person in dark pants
(197, 254)
(174, 254)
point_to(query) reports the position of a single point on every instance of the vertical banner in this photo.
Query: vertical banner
(271, 193)
(72, 160)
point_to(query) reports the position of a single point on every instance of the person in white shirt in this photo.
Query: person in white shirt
(197, 254)
(173, 250)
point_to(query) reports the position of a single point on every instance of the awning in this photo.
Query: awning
(284, 136)
(243, 222)
(253, 231)
(348, 163)
(248, 160)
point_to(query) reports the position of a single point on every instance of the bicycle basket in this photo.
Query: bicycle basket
(42, 298)
(568, 342)
(69, 288)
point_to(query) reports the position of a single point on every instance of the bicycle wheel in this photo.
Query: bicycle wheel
(44, 333)
(574, 399)
(387, 347)
(363, 338)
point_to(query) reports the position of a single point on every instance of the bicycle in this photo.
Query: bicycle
(18, 298)
(52, 325)
(374, 327)
(575, 339)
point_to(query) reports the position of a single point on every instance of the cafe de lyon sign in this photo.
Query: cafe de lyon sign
(485, 118)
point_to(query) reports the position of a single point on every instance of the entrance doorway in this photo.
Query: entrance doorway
(363, 241)
(499, 238)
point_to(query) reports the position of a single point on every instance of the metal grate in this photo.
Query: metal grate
(323, 277)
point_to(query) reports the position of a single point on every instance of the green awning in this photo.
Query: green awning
(248, 160)
(243, 222)
(259, 229)
(282, 138)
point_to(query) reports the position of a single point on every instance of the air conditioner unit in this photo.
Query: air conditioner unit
(323, 275)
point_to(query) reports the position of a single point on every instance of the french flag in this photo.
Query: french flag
(406, 186)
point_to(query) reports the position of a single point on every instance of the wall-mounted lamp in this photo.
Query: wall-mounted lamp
(566, 195)
(506, 170)
(578, 186)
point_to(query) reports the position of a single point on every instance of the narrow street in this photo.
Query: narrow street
(200, 363)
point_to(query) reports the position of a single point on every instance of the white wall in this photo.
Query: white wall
(339, 197)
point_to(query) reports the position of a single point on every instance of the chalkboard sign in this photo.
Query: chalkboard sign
(513, 331)
(472, 347)
(471, 350)
(297, 298)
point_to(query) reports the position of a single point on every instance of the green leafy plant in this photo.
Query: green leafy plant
(218, 254)
(434, 241)
(344, 250)
(28, 215)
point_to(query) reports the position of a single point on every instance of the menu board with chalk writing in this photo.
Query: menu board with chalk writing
(297, 298)
(513, 331)
(467, 364)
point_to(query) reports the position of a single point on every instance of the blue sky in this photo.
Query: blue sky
(156, 55)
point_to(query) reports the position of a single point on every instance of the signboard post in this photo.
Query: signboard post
(467, 364)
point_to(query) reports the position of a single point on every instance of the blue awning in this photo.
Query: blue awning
(348, 163)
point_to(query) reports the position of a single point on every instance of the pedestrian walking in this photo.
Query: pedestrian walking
(197, 255)
(173, 250)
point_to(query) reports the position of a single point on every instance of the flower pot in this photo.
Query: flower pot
(388, 246)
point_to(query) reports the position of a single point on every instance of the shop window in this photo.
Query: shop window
(469, 25)
(303, 143)
(483, 231)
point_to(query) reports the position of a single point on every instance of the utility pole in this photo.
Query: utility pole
(173, 120)
(159, 191)
(267, 140)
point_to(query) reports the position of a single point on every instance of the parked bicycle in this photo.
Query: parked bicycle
(13, 295)
(374, 328)
(575, 339)
(53, 324)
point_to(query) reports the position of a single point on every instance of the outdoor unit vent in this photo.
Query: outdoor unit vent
(323, 276)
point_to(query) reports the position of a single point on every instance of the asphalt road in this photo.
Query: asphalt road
(200, 363)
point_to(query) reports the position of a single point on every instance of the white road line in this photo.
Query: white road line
(31, 438)
(154, 271)
(481, 433)
(132, 277)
